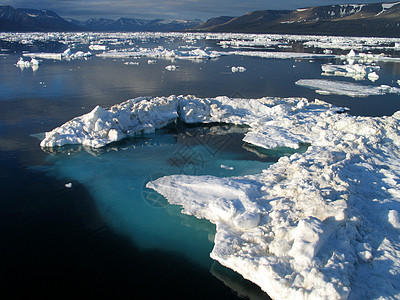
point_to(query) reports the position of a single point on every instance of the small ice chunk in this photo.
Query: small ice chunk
(227, 167)
(373, 76)
(98, 47)
(171, 68)
(238, 69)
(68, 185)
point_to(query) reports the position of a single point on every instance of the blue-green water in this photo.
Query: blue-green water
(116, 177)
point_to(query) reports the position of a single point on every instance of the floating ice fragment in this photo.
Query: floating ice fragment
(227, 167)
(328, 87)
(171, 68)
(131, 63)
(98, 47)
(238, 69)
(373, 76)
(68, 185)
(355, 71)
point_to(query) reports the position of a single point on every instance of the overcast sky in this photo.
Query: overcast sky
(165, 9)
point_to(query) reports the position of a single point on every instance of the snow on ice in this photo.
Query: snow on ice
(323, 224)
(329, 87)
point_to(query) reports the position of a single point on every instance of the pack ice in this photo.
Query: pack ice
(323, 224)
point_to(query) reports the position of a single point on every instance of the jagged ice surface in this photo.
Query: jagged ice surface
(321, 224)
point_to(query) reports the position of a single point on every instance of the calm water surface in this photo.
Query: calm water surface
(108, 235)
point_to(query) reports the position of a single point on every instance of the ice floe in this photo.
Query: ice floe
(332, 87)
(323, 224)
(161, 52)
(282, 55)
(66, 55)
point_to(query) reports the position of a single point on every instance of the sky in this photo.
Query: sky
(166, 9)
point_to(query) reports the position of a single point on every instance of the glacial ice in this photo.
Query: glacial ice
(322, 224)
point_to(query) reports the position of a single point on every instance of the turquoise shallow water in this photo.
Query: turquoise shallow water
(116, 177)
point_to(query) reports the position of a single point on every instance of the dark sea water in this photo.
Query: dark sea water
(107, 236)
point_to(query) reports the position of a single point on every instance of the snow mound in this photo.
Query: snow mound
(101, 127)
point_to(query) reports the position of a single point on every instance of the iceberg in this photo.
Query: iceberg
(321, 224)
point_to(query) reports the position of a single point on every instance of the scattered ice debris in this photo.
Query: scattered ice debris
(171, 68)
(355, 71)
(151, 61)
(330, 87)
(68, 185)
(238, 69)
(353, 57)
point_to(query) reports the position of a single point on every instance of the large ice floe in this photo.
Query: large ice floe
(333, 87)
(66, 55)
(161, 52)
(324, 224)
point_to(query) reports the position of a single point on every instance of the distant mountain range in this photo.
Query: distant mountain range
(21, 19)
(377, 19)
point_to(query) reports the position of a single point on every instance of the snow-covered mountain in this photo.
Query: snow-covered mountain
(376, 19)
(22, 19)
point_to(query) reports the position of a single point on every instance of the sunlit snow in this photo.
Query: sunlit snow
(320, 224)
